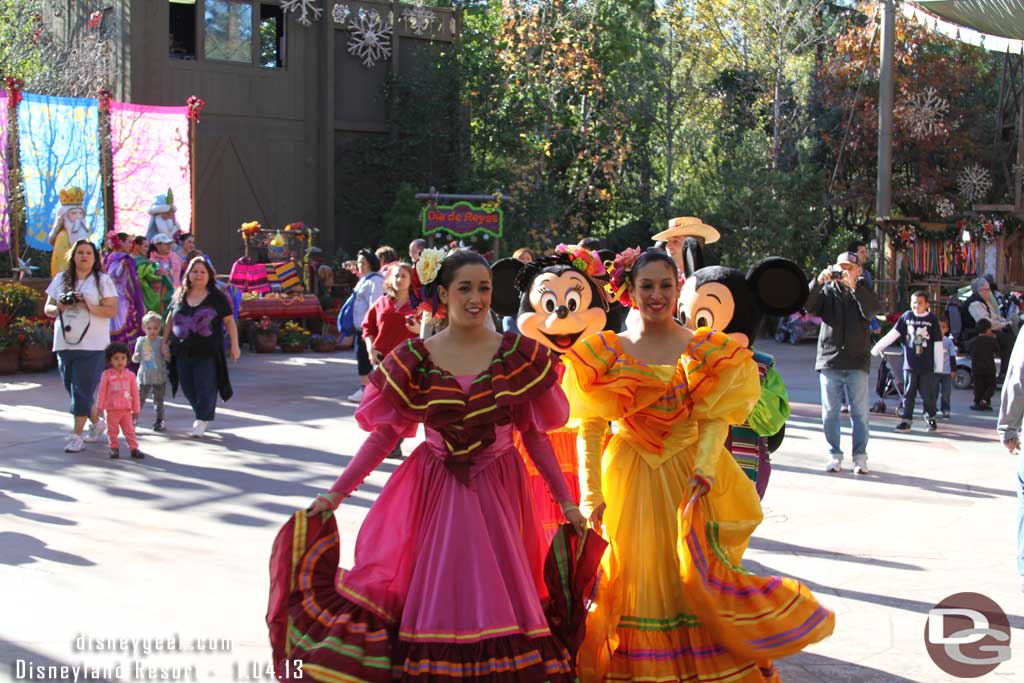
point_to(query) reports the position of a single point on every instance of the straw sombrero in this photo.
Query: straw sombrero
(688, 226)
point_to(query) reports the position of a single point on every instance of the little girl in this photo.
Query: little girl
(118, 397)
(152, 355)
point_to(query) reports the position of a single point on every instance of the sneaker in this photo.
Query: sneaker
(159, 426)
(834, 465)
(860, 465)
(933, 426)
(99, 428)
(903, 426)
(198, 429)
(75, 445)
(946, 415)
(356, 396)
(115, 453)
(137, 454)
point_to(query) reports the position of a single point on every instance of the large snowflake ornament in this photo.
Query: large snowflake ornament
(305, 8)
(944, 207)
(418, 18)
(924, 114)
(370, 37)
(974, 182)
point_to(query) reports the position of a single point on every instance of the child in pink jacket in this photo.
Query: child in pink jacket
(118, 397)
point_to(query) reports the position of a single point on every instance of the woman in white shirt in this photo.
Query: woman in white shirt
(82, 300)
(369, 288)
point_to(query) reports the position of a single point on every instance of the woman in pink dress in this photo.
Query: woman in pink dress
(447, 583)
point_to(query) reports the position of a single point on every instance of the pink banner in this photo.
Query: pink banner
(5, 222)
(151, 154)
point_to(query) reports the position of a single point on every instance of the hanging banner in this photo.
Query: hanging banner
(59, 146)
(150, 155)
(462, 219)
(5, 219)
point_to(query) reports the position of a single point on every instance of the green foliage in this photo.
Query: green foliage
(402, 220)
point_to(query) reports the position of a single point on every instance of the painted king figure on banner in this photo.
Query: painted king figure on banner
(162, 217)
(69, 226)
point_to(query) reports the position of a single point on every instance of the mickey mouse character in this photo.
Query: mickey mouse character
(734, 302)
(557, 300)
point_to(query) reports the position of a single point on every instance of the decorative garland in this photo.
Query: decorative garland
(943, 257)
(904, 236)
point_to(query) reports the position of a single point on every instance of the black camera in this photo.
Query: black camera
(836, 273)
(68, 298)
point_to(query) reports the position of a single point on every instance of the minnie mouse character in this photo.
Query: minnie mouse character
(557, 300)
(734, 302)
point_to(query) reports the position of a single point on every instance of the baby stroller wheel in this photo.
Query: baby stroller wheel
(963, 379)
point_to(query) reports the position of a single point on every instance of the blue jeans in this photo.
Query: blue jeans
(81, 372)
(854, 385)
(945, 391)
(198, 378)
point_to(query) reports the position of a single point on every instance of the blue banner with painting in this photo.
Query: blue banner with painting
(59, 147)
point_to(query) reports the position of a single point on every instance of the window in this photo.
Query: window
(271, 36)
(229, 27)
(182, 29)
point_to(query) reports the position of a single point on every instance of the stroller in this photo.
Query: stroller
(889, 382)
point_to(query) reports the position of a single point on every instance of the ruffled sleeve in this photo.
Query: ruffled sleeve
(724, 387)
(377, 410)
(548, 412)
(588, 366)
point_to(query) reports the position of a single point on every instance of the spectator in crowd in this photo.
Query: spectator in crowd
(195, 326)
(416, 248)
(948, 370)
(845, 305)
(1011, 412)
(983, 349)
(82, 299)
(369, 288)
(681, 228)
(523, 254)
(169, 263)
(861, 250)
(391, 320)
(981, 305)
(923, 350)
(386, 255)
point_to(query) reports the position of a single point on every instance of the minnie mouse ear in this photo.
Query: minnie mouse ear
(504, 299)
(779, 285)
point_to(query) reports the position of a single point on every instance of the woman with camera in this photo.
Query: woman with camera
(82, 300)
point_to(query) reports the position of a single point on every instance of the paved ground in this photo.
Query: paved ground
(178, 544)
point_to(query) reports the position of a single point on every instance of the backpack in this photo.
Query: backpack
(346, 319)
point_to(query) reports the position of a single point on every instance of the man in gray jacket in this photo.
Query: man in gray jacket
(846, 304)
(1011, 412)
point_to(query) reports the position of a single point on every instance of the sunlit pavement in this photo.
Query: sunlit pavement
(177, 544)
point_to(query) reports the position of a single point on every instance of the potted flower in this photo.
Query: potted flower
(36, 338)
(20, 300)
(323, 343)
(293, 337)
(264, 336)
(9, 344)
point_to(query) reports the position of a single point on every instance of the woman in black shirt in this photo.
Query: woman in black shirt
(195, 324)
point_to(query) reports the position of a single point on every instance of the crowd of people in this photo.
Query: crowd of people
(147, 301)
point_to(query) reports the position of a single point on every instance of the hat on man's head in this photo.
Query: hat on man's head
(163, 203)
(847, 257)
(161, 238)
(688, 226)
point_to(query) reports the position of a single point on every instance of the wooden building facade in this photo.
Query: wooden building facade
(283, 99)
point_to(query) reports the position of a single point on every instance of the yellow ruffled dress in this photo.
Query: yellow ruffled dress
(673, 603)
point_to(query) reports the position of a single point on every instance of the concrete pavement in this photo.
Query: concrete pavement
(178, 543)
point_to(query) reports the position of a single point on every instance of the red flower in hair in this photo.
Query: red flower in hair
(618, 287)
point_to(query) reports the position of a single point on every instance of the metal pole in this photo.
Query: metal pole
(883, 203)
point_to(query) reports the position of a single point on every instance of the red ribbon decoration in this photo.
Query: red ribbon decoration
(195, 106)
(105, 96)
(95, 18)
(14, 86)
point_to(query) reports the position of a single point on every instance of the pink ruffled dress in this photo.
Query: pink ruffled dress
(448, 578)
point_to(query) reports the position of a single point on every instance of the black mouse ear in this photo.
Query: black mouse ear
(779, 285)
(693, 256)
(504, 298)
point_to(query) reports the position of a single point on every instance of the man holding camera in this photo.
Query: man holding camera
(846, 305)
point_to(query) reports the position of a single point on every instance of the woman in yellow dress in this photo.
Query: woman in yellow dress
(673, 603)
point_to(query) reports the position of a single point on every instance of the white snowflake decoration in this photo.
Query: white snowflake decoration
(340, 13)
(924, 113)
(974, 183)
(419, 18)
(944, 207)
(370, 37)
(305, 7)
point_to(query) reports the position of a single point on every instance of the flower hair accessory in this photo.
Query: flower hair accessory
(583, 260)
(429, 265)
(618, 287)
(424, 274)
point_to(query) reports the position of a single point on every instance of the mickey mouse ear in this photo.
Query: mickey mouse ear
(693, 256)
(504, 299)
(779, 284)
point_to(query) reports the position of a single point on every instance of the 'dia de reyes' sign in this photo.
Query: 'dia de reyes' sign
(463, 219)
